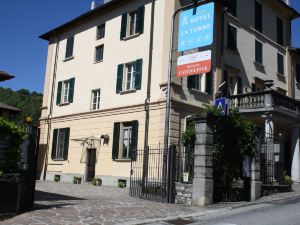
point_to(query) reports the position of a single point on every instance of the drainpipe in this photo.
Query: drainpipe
(49, 121)
(147, 100)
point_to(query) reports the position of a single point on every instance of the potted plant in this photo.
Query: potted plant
(77, 180)
(97, 181)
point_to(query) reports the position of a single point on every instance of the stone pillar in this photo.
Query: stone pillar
(295, 171)
(203, 164)
(255, 177)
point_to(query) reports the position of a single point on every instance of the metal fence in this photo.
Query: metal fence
(155, 171)
(271, 158)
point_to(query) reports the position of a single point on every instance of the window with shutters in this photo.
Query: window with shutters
(132, 23)
(125, 137)
(298, 73)
(60, 144)
(280, 64)
(95, 100)
(65, 91)
(233, 84)
(258, 17)
(200, 82)
(69, 47)
(100, 32)
(232, 37)
(279, 31)
(129, 76)
(99, 50)
(258, 52)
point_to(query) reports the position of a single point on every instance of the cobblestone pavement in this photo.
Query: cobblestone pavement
(62, 203)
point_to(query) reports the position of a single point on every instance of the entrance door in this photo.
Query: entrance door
(90, 164)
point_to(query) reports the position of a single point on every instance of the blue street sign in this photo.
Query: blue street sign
(222, 103)
(196, 27)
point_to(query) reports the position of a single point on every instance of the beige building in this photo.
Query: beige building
(106, 77)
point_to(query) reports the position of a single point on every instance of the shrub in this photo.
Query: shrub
(97, 181)
(14, 135)
(122, 183)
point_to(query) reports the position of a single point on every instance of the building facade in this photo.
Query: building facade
(106, 79)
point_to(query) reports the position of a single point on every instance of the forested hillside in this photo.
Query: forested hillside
(29, 102)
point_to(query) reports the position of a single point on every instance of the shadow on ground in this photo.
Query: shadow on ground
(47, 196)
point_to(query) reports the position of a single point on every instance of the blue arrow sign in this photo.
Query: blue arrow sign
(222, 104)
(196, 27)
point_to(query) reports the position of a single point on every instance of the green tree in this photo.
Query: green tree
(29, 102)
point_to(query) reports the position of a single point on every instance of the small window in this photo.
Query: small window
(125, 136)
(99, 51)
(298, 73)
(200, 82)
(258, 52)
(280, 64)
(279, 31)
(258, 17)
(232, 7)
(95, 99)
(60, 144)
(129, 76)
(132, 23)
(231, 37)
(65, 91)
(69, 47)
(100, 32)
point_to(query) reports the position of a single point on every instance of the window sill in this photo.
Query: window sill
(64, 104)
(69, 58)
(196, 91)
(127, 92)
(57, 160)
(94, 110)
(123, 160)
(281, 77)
(260, 67)
(95, 62)
(131, 37)
(235, 51)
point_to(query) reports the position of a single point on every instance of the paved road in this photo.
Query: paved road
(286, 212)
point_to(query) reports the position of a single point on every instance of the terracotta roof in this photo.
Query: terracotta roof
(5, 76)
(9, 107)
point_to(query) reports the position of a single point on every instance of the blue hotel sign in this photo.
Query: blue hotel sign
(196, 27)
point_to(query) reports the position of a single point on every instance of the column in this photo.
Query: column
(295, 171)
(203, 164)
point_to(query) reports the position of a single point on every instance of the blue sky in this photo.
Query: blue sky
(23, 54)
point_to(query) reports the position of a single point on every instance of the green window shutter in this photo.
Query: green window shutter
(119, 78)
(54, 143)
(123, 26)
(66, 145)
(239, 85)
(134, 140)
(116, 140)
(69, 47)
(208, 83)
(140, 20)
(71, 91)
(58, 96)
(191, 81)
(138, 74)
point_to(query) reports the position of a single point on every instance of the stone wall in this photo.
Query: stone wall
(184, 193)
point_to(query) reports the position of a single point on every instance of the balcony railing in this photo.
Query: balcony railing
(268, 99)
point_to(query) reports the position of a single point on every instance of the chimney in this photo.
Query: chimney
(94, 5)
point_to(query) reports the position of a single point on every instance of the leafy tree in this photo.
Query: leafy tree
(29, 102)
(234, 138)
